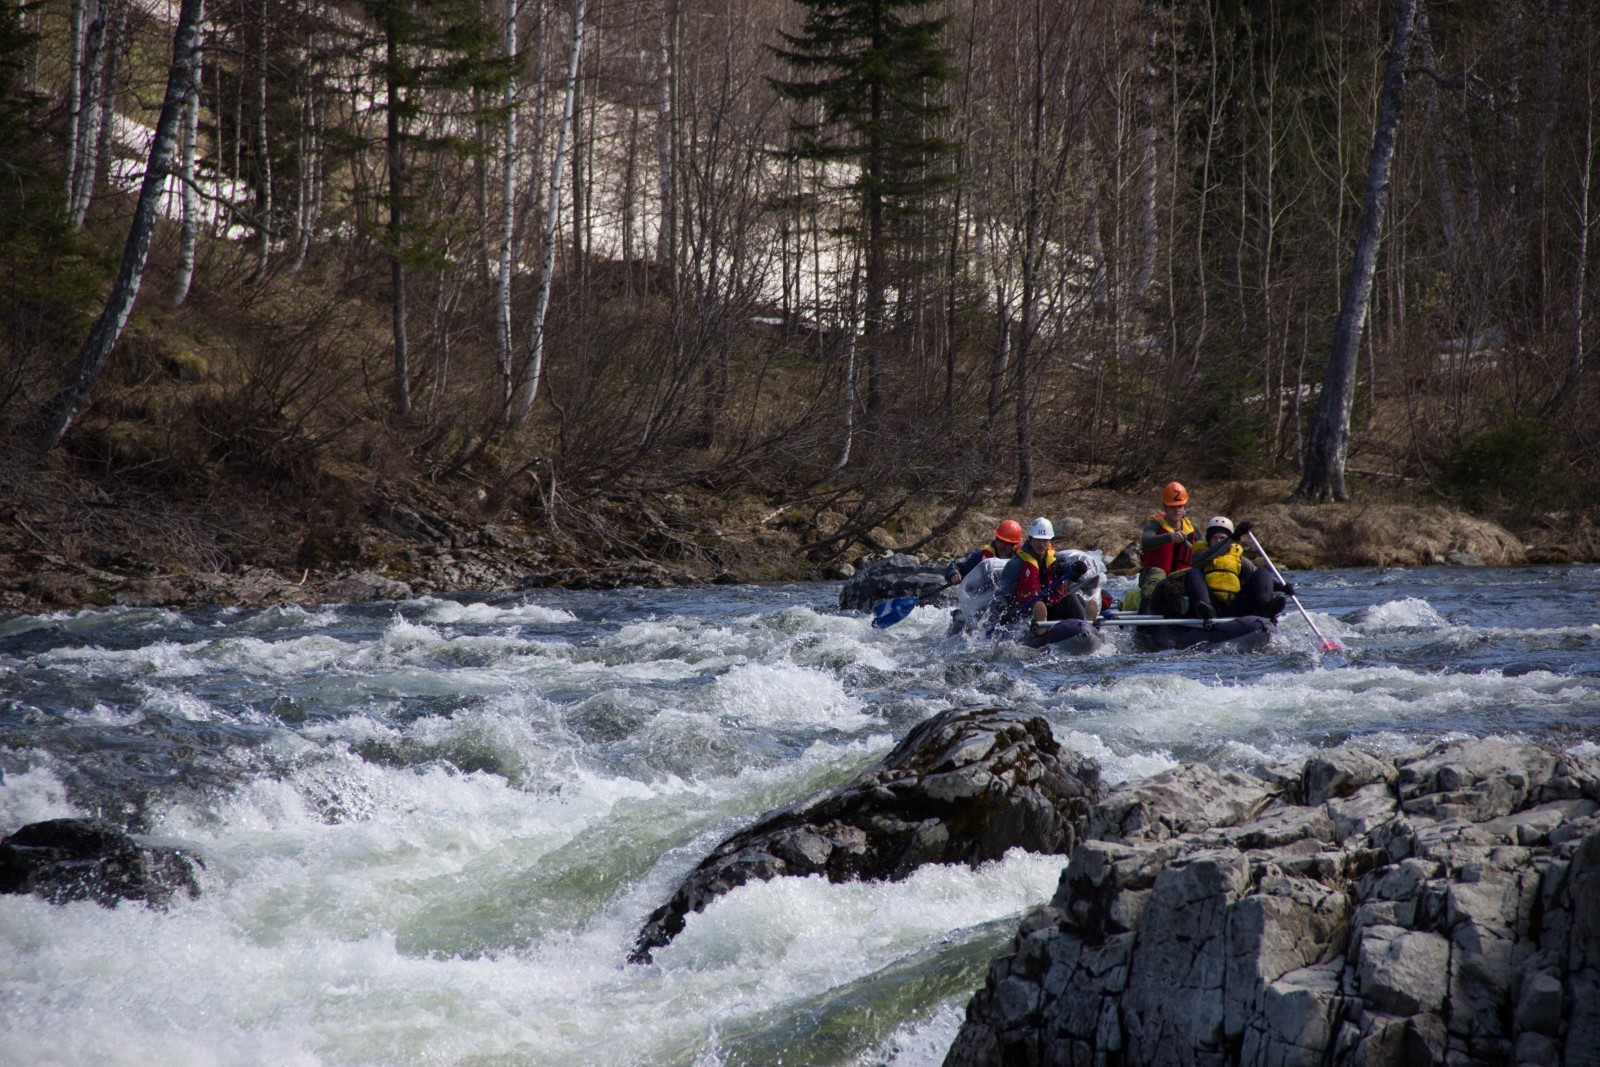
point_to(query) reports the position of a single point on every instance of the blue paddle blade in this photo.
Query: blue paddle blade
(888, 612)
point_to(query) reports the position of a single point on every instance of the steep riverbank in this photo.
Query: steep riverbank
(67, 542)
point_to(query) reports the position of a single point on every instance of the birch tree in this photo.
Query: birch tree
(186, 175)
(63, 410)
(533, 366)
(1323, 476)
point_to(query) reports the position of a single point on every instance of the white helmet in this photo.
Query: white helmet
(1042, 529)
(1219, 522)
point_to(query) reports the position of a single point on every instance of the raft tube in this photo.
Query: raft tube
(1246, 633)
(1068, 635)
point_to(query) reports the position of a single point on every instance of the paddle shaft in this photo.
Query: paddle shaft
(1151, 620)
(1328, 645)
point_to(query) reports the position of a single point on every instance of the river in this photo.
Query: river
(432, 828)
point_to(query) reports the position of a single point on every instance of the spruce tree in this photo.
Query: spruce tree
(874, 71)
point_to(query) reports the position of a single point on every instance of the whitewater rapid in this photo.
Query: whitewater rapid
(431, 829)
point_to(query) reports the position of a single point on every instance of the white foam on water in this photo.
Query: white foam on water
(358, 913)
(1411, 613)
(278, 617)
(451, 613)
(781, 694)
(33, 795)
(924, 1042)
(1116, 766)
(177, 704)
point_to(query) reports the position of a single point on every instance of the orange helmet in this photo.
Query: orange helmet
(1174, 495)
(1009, 531)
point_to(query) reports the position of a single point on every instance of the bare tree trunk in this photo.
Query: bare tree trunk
(88, 116)
(666, 240)
(1323, 477)
(265, 143)
(533, 367)
(308, 190)
(1032, 254)
(116, 41)
(76, 52)
(397, 265)
(191, 196)
(504, 360)
(64, 409)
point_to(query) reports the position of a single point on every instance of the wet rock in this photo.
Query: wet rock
(1127, 561)
(961, 787)
(362, 586)
(893, 576)
(85, 859)
(1441, 906)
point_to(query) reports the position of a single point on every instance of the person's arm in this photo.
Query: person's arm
(1209, 553)
(962, 566)
(1154, 535)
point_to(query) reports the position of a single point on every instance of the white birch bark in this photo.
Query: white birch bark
(191, 196)
(88, 128)
(505, 358)
(265, 151)
(533, 367)
(75, 60)
(666, 251)
(64, 409)
(1323, 478)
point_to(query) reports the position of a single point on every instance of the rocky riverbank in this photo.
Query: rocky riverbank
(1439, 907)
(68, 543)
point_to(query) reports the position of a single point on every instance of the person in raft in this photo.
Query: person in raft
(1222, 583)
(1166, 544)
(1007, 538)
(981, 576)
(1058, 594)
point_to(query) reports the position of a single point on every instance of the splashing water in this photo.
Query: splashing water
(431, 829)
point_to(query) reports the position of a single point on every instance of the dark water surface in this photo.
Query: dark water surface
(432, 828)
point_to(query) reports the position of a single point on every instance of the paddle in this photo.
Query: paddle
(1150, 620)
(1328, 643)
(885, 613)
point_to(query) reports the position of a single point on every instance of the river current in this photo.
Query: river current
(432, 828)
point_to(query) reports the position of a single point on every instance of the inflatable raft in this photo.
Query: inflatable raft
(1152, 633)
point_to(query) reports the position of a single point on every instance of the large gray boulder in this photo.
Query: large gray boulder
(892, 576)
(1441, 907)
(85, 859)
(961, 787)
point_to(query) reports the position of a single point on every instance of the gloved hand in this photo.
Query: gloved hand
(1076, 569)
(1286, 588)
(1240, 532)
(1179, 537)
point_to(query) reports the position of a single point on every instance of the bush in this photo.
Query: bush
(1515, 465)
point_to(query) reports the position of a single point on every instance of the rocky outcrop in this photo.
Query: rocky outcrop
(891, 576)
(85, 859)
(962, 787)
(1438, 908)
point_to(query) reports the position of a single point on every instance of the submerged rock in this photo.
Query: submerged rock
(85, 859)
(961, 787)
(1439, 907)
(893, 576)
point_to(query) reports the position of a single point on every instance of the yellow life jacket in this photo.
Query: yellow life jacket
(1043, 564)
(1222, 573)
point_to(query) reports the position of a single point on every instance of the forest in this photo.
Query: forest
(580, 261)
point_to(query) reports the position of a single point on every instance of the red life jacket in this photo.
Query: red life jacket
(1031, 580)
(1169, 556)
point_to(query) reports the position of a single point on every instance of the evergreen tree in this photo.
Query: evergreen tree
(438, 58)
(874, 71)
